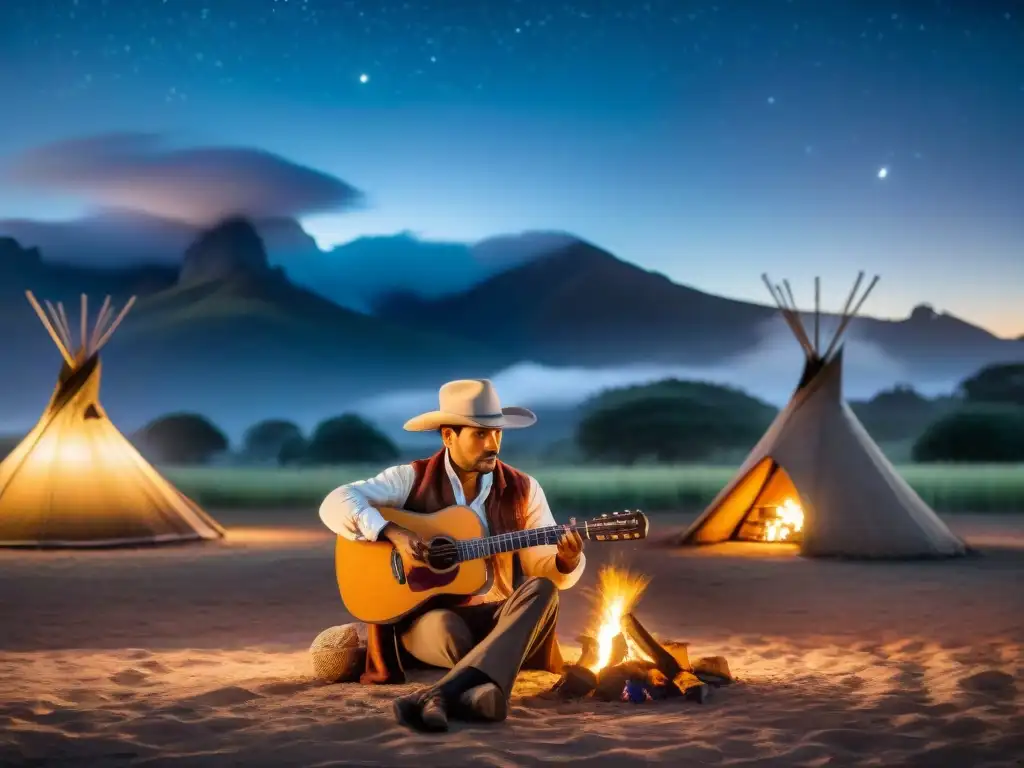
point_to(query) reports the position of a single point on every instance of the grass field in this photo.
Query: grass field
(592, 490)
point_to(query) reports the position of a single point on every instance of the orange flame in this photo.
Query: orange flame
(789, 519)
(618, 591)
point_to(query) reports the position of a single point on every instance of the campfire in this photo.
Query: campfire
(622, 661)
(783, 522)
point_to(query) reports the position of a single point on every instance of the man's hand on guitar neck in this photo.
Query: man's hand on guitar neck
(410, 546)
(570, 546)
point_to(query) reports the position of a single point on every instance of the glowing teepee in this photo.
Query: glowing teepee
(816, 477)
(75, 480)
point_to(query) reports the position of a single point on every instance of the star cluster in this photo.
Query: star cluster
(583, 54)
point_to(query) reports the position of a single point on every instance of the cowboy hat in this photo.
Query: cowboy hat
(471, 403)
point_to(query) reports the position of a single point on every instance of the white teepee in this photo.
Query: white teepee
(817, 477)
(75, 480)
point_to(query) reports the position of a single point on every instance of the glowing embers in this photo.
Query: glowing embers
(781, 522)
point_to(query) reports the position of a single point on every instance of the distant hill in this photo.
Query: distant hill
(580, 305)
(355, 274)
(227, 334)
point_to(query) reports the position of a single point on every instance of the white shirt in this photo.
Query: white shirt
(351, 511)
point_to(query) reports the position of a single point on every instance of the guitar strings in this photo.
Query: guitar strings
(466, 543)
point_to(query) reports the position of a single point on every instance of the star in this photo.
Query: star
(364, 78)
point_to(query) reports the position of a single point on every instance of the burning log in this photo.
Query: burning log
(621, 660)
(680, 652)
(663, 660)
(576, 682)
(612, 679)
(591, 651)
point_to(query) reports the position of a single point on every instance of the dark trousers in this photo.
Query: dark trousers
(495, 638)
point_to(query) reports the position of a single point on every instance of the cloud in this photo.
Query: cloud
(198, 185)
(770, 371)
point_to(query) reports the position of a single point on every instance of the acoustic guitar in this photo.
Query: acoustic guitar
(377, 587)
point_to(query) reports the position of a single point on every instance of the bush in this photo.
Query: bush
(292, 451)
(264, 441)
(716, 395)
(348, 439)
(900, 413)
(1003, 383)
(976, 433)
(181, 438)
(666, 428)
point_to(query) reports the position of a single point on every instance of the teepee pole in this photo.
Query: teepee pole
(55, 319)
(793, 315)
(100, 320)
(796, 312)
(853, 313)
(49, 328)
(67, 326)
(817, 315)
(113, 325)
(853, 292)
(82, 324)
(842, 315)
(781, 304)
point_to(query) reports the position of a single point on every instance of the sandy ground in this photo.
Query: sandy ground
(199, 655)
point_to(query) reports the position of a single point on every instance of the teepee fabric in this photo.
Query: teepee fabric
(817, 454)
(75, 480)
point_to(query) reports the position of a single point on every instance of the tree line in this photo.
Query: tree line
(667, 421)
(191, 438)
(983, 421)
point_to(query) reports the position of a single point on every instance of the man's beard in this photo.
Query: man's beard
(486, 461)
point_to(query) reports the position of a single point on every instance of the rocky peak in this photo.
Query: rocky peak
(923, 313)
(14, 256)
(230, 249)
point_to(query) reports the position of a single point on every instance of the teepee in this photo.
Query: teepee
(816, 477)
(75, 480)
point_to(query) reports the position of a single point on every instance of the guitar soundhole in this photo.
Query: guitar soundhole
(442, 553)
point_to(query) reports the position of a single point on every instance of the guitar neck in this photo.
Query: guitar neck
(474, 549)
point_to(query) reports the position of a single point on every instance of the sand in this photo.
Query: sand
(199, 655)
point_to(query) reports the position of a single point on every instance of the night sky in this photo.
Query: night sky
(708, 141)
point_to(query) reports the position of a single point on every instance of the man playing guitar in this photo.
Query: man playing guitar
(483, 641)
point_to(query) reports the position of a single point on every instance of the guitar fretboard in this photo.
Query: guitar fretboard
(474, 549)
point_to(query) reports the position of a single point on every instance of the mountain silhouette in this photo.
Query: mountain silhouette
(227, 334)
(582, 306)
(226, 329)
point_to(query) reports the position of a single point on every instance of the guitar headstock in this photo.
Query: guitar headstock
(616, 526)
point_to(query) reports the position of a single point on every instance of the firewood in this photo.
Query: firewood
(715, 666)
(662, 659)
(692, 687)
(660, 687)
(680, 652)
(619, 650)
(588, 654)
(591, 649)
(576, 682)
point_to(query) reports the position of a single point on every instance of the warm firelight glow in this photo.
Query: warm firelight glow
(618, 590)
(789, 519)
